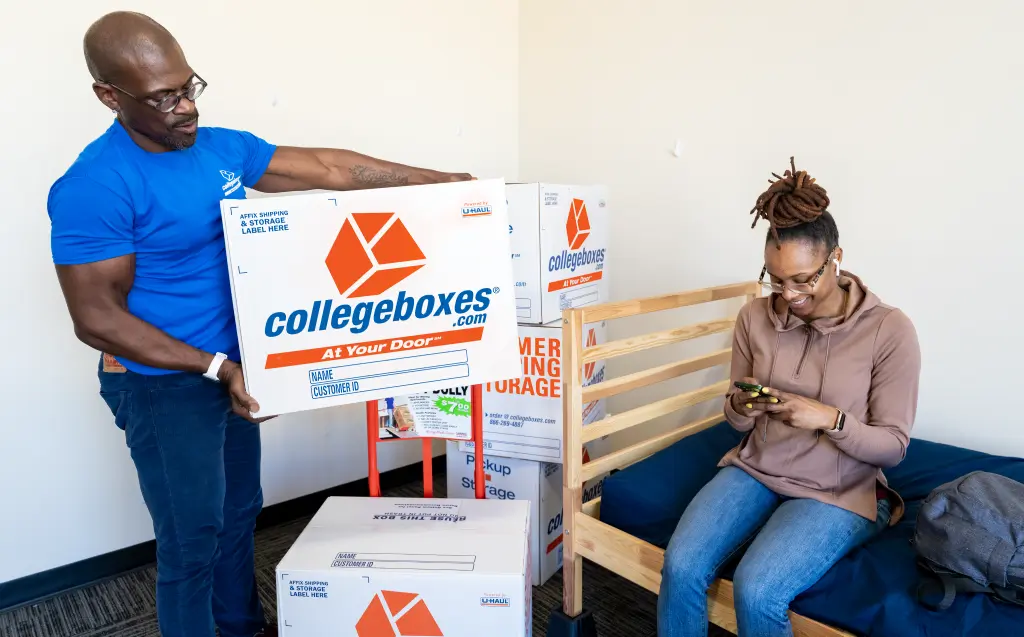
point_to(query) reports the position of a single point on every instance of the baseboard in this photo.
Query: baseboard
(34, 588)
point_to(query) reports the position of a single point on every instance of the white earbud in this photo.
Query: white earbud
(836, 261)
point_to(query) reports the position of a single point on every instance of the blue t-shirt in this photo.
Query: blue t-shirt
(118, 199)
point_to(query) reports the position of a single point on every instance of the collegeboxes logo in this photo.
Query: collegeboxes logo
(577, 230)
(372, 253)
(577, 226)
(396, 614)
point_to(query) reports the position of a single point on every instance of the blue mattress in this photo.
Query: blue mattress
(647, 499)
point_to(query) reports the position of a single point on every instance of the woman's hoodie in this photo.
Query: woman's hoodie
(865, 362)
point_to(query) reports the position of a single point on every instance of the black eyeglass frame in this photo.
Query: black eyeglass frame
(170, 102)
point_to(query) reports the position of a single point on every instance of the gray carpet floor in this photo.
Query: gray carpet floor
(125, 606)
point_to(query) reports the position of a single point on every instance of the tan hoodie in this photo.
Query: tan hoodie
(865, 363)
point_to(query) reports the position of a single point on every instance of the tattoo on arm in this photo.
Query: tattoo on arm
(366, 175)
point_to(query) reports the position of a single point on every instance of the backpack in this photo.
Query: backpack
(970, 538)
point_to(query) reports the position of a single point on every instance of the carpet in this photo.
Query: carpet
(125, 606)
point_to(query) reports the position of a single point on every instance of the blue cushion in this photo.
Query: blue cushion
(871, 590)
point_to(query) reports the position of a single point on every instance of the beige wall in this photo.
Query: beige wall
(909, 113)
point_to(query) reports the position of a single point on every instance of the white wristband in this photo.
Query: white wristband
(215, 364)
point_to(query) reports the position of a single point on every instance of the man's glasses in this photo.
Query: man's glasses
(168, 103)
(799, 288)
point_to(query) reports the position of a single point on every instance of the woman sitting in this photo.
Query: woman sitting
(840, 372)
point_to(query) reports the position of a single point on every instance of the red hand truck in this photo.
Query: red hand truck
(373, 437)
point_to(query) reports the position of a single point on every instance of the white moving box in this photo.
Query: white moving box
(560, 240)
(523, 416)
(512, 479)
(403, 567)
(345, 297)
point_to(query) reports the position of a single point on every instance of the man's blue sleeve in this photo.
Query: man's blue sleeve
(88, 222)
(257, 154)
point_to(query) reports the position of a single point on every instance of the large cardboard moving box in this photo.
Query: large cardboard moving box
(523, 415)
(390, 567)
(345, 297)
(560, 239)
(540, 483)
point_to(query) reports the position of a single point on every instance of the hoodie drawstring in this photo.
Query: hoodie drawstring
(824, 370)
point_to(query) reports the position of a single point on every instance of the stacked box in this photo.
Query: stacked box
(375, 567)
(512, 479)
(559, 238)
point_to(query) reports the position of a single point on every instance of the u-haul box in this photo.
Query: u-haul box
(538, 482)
(395, 567)
(523, 415)
(560, 240)
(344, 297)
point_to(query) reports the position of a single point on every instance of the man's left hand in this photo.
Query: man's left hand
(798, 411)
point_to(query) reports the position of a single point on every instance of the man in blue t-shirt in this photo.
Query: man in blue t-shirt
(139, 252)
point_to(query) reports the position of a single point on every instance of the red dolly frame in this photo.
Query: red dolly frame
(373, 437)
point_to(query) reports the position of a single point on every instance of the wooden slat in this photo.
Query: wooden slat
(572, 461)
(641, 563)
(619, 552)
(635, 344)
(650, 411)
(635, 307)
(654, 375)
(592, 509)
(634, 453)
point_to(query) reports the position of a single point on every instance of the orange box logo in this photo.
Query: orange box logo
(394, 614)
(373, 253)
(588, 368)
(577, 226)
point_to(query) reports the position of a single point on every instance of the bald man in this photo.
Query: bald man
(139, 252)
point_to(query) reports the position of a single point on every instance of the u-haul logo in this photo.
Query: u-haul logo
(397, 614)
(495, 600)
(373, 253)
(478, 209)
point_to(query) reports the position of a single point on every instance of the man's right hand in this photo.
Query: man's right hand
(745, 403)
(242, 403)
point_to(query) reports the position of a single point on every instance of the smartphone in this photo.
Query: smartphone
(748, 387)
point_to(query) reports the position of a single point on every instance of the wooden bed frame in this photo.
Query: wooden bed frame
(586, 536)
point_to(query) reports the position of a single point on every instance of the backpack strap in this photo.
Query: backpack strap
(1009, 595)
(949, 584)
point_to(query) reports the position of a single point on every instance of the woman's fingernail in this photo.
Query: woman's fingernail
(773, 400)
(749, 406)
(754, 394)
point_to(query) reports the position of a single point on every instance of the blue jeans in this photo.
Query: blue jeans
(795, 542)
(199, 471)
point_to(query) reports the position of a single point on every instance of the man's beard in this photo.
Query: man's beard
(172, 140)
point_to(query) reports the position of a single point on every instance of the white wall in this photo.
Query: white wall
(394, 78)
(909, 113)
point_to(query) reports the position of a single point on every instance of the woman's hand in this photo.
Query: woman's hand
(745, 403)
(797, 411)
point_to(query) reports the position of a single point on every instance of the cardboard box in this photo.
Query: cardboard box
(345, 297)
(511, 479)
(559, 237)
(390, 567)
(442, 413)
(523, 416)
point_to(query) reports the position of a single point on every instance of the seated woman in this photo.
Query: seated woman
(840, 372)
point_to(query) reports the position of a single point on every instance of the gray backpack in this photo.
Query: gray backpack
(970, 538)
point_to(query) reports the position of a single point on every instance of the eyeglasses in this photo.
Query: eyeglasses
(799, 288)
(168, 103)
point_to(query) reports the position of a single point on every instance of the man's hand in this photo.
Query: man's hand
(293, 168)
(745, 403)
(242, 403)
(797, 411)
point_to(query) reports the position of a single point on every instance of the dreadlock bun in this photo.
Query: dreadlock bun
(791, 200)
